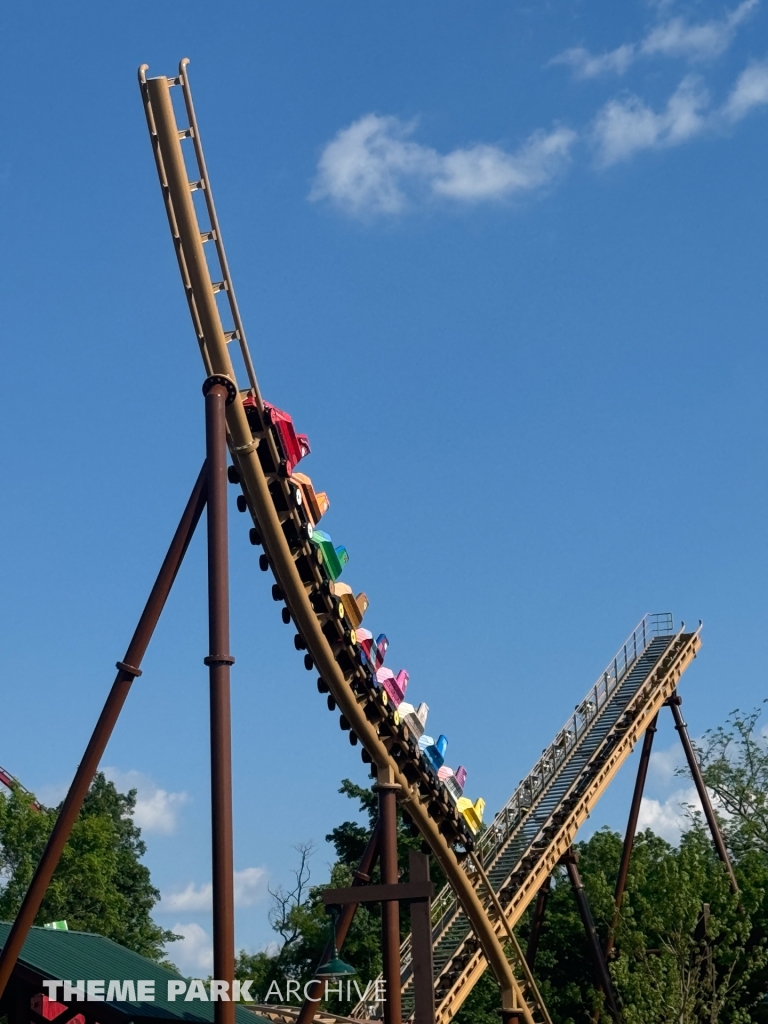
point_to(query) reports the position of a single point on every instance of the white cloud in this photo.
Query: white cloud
(585, 65)
(751, 90)
(667, 818)
(191, 899)
(673, 38)
(250, 887)
(156, 809)
(373, 167)
(669, 815)
(193, 952)
(487, 172)
(625, 126)
(678, 38)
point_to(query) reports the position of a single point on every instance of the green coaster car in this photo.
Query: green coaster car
(334, 559)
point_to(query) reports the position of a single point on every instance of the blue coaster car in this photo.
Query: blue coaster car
(435, 753)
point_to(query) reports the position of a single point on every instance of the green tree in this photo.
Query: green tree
(687, 949)
(299, 916)
(734, 760)
(100, 884)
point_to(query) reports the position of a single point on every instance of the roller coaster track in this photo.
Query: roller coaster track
(539, 822)
(280, 527)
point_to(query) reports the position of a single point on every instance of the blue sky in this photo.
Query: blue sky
(505, 266)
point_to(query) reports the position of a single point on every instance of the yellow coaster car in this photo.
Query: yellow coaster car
(471, 813)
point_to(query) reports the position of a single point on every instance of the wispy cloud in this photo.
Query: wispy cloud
(250, 888)
(626, 125)
(678, 38)
(373, 167)
(588, 65)
(750, 91)
(157, 809)
(675, 37)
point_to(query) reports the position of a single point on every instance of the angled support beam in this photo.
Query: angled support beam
(629, 835)
(403, 892)
(570, 860)
(706, 804)
(538, 922)
(128, 670)
(361, 878)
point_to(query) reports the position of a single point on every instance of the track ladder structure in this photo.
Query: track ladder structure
(489, 882)
(280, 530)
(539, 822)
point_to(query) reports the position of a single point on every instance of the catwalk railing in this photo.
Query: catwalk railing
(626, 673)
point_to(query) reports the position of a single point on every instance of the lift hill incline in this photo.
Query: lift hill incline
(560, 790)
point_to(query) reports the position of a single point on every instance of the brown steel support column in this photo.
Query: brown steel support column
(509, 1016)
(421, 944)
(217, 394)
(128, 669)
(390, 909)
(362, 876)
(706, 804)
(596, 951)
(537, 922)
(629, 835)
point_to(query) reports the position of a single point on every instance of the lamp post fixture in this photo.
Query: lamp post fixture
(335, 967)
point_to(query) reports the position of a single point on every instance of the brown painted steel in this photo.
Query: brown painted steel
(403, 892)
(253, 481)
(390, 911)
(128, 669)
(362, 877)
(219, 661)
(629, 835)
(595, 949)
(538, 922)
(421, 937)
(706, 804)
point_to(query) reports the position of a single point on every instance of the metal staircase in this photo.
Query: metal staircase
(539, 821)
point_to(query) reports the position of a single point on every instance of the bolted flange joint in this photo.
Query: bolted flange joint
(128, 670)
(219, 659)
(220, 378)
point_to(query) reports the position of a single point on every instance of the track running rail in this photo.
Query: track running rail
(514, 887)
(289, 554)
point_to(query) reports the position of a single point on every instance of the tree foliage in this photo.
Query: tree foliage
(734, 759)
(100, 884)
(687, 950)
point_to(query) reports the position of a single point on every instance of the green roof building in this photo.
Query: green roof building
(78, 957)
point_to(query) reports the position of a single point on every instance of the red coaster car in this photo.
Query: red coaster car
(292, 446)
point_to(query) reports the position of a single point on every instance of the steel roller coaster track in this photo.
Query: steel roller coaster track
(489, 883)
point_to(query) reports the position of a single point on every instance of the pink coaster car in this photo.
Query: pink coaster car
(395, 685)
(374, 651)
